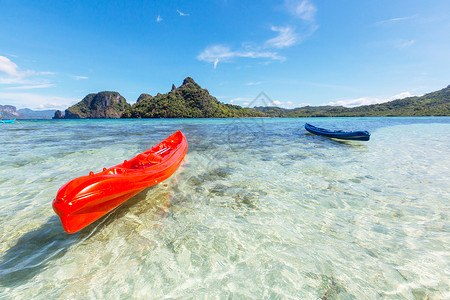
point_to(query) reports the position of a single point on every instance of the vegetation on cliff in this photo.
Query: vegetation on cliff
(191, 101)
(103, 105)
(432, 104)
(187, 101)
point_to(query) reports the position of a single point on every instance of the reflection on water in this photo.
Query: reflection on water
(259, 209)
(32, 252)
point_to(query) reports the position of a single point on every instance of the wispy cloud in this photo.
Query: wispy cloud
(219, 53)
(395, 20)
(277, 103)
(303, 9)
(31, 86)
(158, 19)
(35, 101)
(14, 80)
(25, 79)
(10, 68)
(80, 77)
(181, 13)
(286, 37)
(18, 80)
(306, 11)
(404, 43)
(369, 100)
(240, 99)
(251, 101)
(254, 83)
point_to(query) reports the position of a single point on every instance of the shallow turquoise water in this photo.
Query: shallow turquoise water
(260, 209)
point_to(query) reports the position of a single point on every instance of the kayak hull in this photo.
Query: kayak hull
(73, 222)
(343, 135)
(86, 199)
(8, 121)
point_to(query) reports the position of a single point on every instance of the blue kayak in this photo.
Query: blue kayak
(339, 134)
(7, 121)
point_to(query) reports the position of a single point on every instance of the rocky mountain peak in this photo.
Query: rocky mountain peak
(188, 80)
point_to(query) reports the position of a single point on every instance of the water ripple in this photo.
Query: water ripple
(259, 209)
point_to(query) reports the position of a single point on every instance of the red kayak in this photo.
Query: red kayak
(87, 198)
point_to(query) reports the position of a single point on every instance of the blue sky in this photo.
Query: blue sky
(298, 52)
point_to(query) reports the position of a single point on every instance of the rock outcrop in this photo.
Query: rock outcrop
(143, 96)
(103, 105)
(8, 112)
(58, 115)
(187, 101)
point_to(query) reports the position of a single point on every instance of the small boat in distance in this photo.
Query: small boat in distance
(6, 121)
(339, 134)
(86, 199)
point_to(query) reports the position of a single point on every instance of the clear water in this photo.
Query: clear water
(260, 209)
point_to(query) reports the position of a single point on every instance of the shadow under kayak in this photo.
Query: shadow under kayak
(339, 134)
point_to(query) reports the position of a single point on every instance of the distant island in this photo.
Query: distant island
(103, 105)
(432, 104)
(11, 112)
(190, 100)
(187, 101)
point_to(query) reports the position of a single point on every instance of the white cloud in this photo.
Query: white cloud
(14, 80)
(402, 95)
(395, 20)
(215, 54)
(159, 19)
(404, 43)
(303, 9)
(181, 13)
(254, 83)
(35, 101)
(31, 86)
(8, 67)
(259, 102)
(289, 104)
(286, 37)
(80, 77)
(24, 82)
(369, 100)
(357, 102)
(240, 99)
(219, 53)
(52, 106)
(306, 11)
(277, 103)
(25, 79)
